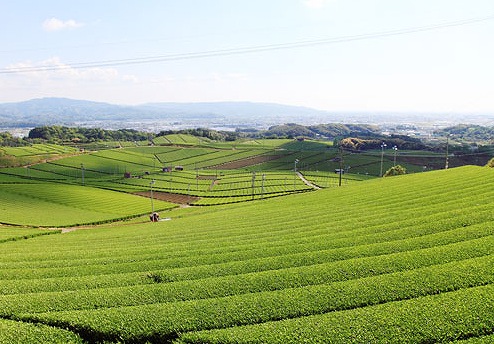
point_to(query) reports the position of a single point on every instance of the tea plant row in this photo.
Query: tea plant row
(436, 318)
(407, 258)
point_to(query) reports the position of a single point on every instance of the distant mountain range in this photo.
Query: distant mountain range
(222, 115)
(63, 111)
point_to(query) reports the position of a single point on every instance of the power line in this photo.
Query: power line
(245, 50)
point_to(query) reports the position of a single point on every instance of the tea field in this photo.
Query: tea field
(57, 205)
(200, 172)
(407, 259)
(36, 153)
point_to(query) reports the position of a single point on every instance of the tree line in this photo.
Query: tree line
(358, 137)
(59, 134)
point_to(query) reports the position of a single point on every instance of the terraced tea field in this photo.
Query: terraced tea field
(19, 156)
(407, 259)
(210, 173)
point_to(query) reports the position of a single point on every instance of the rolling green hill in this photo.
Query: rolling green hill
(407, 259)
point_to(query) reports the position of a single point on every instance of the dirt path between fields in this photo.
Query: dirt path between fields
(306, 182)
(70, 229)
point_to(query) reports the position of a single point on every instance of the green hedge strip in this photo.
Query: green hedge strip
(167, 320)
(462, 314)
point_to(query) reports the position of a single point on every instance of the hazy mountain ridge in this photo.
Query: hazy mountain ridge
(69, 111)
(62, 111)
(233, 108)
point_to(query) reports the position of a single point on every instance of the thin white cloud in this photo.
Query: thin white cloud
(315, 4)
(55, 24)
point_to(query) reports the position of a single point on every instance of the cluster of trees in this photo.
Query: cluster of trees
(330, 131)
(468, 133)
(57, 133)
(6, 139)
(402, 142)
(335, 130)
(290, 130)
(211, 134)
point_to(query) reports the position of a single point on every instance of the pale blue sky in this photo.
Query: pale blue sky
(440, 68)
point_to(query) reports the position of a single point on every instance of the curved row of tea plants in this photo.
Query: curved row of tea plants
(18, 332)
(434, 318)
(328, 265)
(54, 204)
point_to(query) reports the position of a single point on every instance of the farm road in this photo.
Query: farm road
(306, 182)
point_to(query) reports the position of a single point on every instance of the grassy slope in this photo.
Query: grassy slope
(386, 246)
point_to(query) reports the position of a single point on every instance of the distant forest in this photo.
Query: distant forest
(470, 133)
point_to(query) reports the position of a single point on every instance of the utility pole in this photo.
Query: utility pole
(262, 185)
(253, 183)
(395, 151)
(171, 178)
(82, 173)
(341, 165)
(383, 145)
(446, 165)
(151, 191)
(197, 176)
(295, 174)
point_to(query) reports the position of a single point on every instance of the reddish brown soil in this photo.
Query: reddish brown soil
(169, 197)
